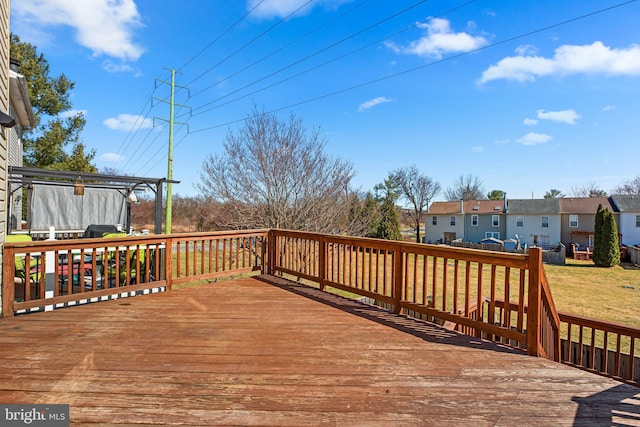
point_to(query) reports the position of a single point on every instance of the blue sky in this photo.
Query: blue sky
(520, 93)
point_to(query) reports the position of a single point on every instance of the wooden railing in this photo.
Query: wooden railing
(53, 274)
(430, 280)
(496, 296)
(582, 342)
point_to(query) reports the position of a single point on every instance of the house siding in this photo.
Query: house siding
(4, 105)
(532, 226)
(627, 227)
(473, 233)
(435, 233)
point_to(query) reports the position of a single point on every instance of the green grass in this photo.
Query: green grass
(610, 294)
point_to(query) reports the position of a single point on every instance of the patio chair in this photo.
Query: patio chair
(20, 271)
(134, 256)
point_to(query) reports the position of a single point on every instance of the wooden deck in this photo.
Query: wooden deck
(270, 352)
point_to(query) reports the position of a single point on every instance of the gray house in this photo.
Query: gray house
(484, 219)
(536, 222)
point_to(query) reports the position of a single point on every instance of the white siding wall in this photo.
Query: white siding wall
(436, 232)
(532, 226)
(630, 233)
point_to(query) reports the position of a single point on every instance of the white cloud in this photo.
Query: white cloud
(609, 108)
(477, 149)
(439, 40)
(526, 49)
(372, 103)
(127, 122)
(71, 113)
(112, 157)
(595, 58)
(530, 122)
(104, 26)
(111, 67)
(282, 8)
(567, 116)
(502, 141)
(533, 138)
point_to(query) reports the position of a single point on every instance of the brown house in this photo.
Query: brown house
(577, 216)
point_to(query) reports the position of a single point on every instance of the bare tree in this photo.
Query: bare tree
(272, 173)
(417, 189)
(466, 187)
(628, 188)
(589, 190)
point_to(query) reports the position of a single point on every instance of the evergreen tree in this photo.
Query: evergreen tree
(610, 248)
(55, 129)
(389, 224)
(597, 235)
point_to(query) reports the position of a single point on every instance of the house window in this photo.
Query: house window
(545, 222)
(495, 220)
(434, 220)
(638, 221)
(452, 220)
(474, 220)
(520, 221)
(591, 238)
(573, 221)
(494, 234)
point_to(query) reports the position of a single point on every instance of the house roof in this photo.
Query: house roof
(19, 96)
(533, 206)
(475, 207)
(443, 208)
(626, 203)
(584, 205)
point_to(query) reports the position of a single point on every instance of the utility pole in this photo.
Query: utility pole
(172, 105)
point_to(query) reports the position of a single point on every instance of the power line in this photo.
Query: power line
(308, 70)
(193, 58)
(250, 42)
(315, 30)
(370, 82)
(324, 49)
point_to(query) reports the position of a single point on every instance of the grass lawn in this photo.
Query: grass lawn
(611, 294)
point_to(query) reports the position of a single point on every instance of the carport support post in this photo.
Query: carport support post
(158, 224)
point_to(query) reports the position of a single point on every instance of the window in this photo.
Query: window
(573, 221)
(545, 222)
(520, 221)
(452, 220)
(434, 220)
(494, 234)
(474, 220)
(638, 221)
(495, 220)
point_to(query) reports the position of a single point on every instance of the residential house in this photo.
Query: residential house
(445, 222)
(578, 218)
(629, 218)
(20, 109)
(535, 222)
(484, 219)
(4, 108)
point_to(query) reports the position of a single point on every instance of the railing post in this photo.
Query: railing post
(397, 279)
(534, 296)
(168, 262)
(271, 251)
(8, 286)
(322, 262)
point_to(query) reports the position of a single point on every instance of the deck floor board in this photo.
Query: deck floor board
(264, 351)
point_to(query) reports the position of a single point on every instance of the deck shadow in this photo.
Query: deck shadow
(424, 330)
(617, 406)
